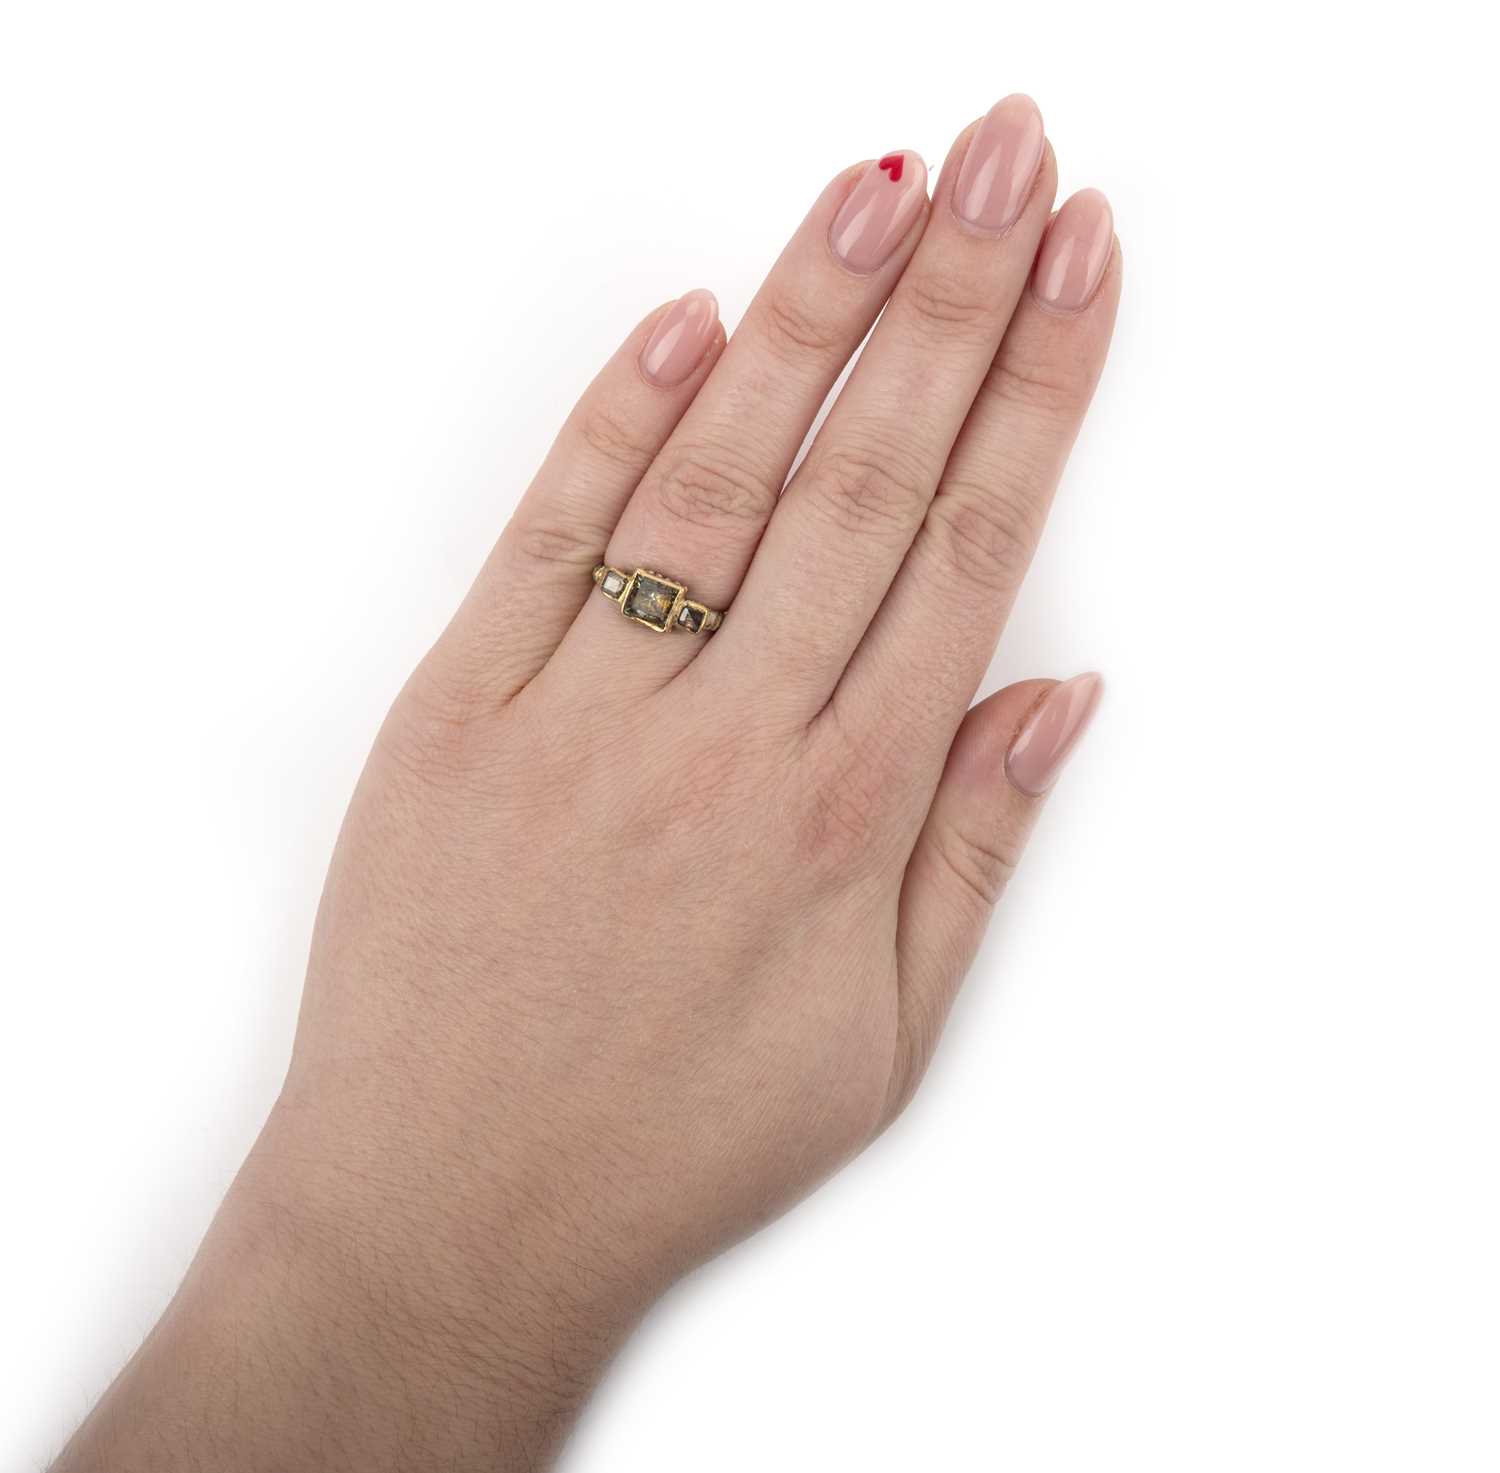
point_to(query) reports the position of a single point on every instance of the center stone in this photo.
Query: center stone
(650, 600)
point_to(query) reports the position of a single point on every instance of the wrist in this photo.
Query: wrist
(335, 1316)
(452, 1294)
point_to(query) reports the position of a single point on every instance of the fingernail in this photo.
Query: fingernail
(1076, 250)
(681, 339)
(1051, 732)
(1004, 155)
(880, 209)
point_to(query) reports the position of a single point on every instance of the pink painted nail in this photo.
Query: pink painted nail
(1076, 250)
(1000, 166)
(880, 209)
(1051, 732)
(681, 339)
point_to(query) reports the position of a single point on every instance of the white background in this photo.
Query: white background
(294, 295)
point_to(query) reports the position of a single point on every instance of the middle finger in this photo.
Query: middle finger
(848, 517)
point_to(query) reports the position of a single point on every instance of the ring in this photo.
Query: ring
(655, 600)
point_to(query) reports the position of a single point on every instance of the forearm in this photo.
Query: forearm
(332, 1324)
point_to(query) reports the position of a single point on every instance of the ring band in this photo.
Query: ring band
(655, 600)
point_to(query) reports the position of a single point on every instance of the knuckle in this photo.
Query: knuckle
(794, 329)
(1051, 389)
(984, 535)
(869, 488)
(947, 305)
(616, 442)
(980, 863)
(709, 486)
(555, 544)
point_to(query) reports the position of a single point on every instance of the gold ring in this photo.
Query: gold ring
(655, 600)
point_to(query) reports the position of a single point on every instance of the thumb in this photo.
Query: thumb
(1007, 754)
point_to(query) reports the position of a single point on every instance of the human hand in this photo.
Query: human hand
(630, 939)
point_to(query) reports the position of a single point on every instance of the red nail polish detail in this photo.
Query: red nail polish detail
(879, 211)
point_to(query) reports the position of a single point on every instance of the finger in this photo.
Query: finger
(927, 649)
(854, 506)
(700, 509)
(1006, 756)
(537, 577)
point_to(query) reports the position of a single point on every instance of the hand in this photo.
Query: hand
(632, 938)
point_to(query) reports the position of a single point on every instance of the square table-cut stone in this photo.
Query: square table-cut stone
(613, 583)
(650, 600)
(690, 618)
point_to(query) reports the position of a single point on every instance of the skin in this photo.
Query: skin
(631, 940)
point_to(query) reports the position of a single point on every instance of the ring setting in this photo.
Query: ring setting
(653, 599)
